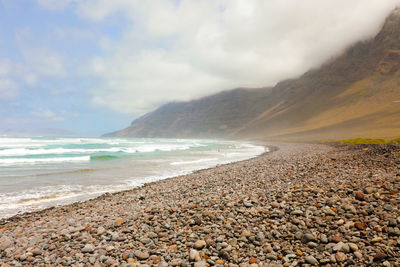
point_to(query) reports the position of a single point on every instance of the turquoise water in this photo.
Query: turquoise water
(38, 172)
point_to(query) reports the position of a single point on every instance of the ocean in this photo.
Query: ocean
(40, 172)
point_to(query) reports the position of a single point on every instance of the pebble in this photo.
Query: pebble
(358, 254)
(88, 248)
(338, 246)
(360, 225)
(369, 190)
(353, 247)
(252, 260)
(392, 222)
(324, 239)
(376, 239)
(246, 233)
(305, 238)
(199, 244)
(162, 264)
(200, 264)
(340, 257)
(37, 252)
(194, 255)
(119, 222)
(311, 260)
(336, 239)
(359, 195)
(345, 248)
(297, 212)
(141, 255)
(379, 255)
(275, 205)
(101, 230)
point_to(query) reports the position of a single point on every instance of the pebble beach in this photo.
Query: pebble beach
(298, 205)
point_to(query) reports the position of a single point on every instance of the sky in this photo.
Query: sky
(92, 66)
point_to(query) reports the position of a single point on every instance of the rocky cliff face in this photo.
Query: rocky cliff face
(213, 116)
(354, 95)
(390, 63)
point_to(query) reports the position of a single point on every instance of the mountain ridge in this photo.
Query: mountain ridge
(195, 114)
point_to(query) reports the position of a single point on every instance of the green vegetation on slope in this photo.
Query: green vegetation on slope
(366, 141)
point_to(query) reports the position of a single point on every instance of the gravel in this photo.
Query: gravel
(303, 204)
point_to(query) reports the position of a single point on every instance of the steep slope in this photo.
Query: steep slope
(213, 116)
(354, 95)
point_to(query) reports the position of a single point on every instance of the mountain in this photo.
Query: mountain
(354, 95)
(213, 116)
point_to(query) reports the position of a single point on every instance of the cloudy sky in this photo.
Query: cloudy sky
(92, 66)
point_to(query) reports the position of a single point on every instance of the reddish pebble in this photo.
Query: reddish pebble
(377, 228)
(360, 225)
(157, 260)
(253, 260)
(379, 256)
(118, 222)
(336, 239)
(340, 257)
(360, 195)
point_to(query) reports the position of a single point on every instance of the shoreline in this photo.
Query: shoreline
(25, 214)
(69, 200)
(299, 204)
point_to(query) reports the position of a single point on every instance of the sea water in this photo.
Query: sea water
(40, 172)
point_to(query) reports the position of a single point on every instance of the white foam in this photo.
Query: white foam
(62, 190)
(28, 146)
(193, 161)
(50, 194)
(28, 152)
(42, 160)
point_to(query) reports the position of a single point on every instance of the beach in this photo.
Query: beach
(298, 204)
(42, 172)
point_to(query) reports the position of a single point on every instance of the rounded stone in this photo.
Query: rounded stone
(311, 260)
(359, 195)
(340, 257)
(199, 244)
(141, 255)
(88, 248)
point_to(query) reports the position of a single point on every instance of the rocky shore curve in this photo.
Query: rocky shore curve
(302, 205)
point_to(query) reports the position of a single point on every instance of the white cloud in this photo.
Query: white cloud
(12, 77)
(178, 50)
(37, 62)
(55, 4)
(73, 34)
(46, 114)
(97, 10)
(44, 61)
(39, 59)
(5, 67)
(8, 89)
(29, 78)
